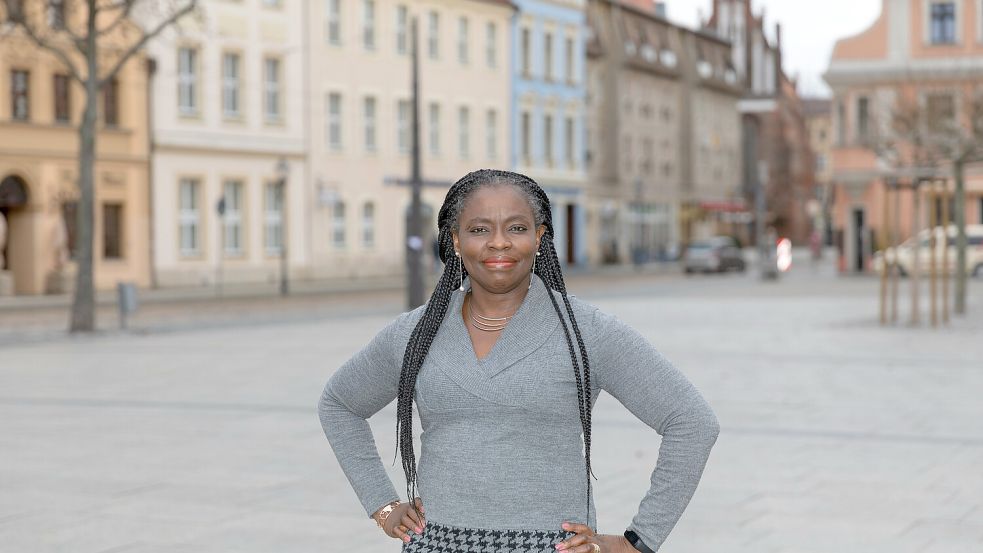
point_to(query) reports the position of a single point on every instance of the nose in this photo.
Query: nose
(499, 240)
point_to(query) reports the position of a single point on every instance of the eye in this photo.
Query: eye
(477, 229)
(518, 228)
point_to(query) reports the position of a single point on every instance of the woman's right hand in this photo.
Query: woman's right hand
(403, 521)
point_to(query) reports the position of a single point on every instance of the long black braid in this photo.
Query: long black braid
(547, 267)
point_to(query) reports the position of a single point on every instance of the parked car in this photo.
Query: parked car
(906, 252)
(717, 254)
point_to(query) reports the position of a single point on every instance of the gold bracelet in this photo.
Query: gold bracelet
(384, 513)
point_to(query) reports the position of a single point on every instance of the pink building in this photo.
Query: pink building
(921, 62)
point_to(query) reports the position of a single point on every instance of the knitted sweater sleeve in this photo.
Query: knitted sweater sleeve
(361, 387)
(629, 368)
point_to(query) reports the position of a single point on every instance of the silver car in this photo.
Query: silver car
(713, 255)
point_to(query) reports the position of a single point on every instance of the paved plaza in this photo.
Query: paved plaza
(838, 436)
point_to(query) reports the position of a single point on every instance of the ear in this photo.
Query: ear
(457, 243)
(540, 231)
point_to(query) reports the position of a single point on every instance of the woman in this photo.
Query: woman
(505, 368)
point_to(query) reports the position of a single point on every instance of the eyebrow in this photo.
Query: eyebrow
(487, 220)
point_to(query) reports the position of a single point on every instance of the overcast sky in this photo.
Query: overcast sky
(809, 30)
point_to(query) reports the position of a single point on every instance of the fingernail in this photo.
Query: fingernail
(566, 526)
(419, 530)
(560, 546)
(406, 538)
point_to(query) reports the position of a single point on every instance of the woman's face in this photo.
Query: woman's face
(497, 238)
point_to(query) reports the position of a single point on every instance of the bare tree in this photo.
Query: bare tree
(93, 40)
(926, 137)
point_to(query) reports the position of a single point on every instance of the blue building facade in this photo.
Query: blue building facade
(548, 112)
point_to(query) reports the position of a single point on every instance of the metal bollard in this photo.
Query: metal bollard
(127, 296)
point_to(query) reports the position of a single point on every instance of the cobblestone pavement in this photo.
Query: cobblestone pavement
(837, 435)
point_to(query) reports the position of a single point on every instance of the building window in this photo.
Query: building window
(548, 56)
(56, 14)
(526, 139)
(63, 104)
(863, 118)
(368, 225)
(20, 94)
(187, 84)
(491, 44)
(110, 103)
(273, 218)
(230, 84)
(569, 60)
(433, 35)
(271, 85)
(943, 23)
(569, 142)
(940, 111)
(491, 134)
(820, 162)
(627, 153)
(462, 40)
(338, 224)
(434, 129)
(368, 24)
(112, 231)
(403, 116)
(647, 153)
(333, 26)
(189, 216)
(464, 132)
(524, 51)
(548, 140)
(402, 33)
(232, 220)
(368, 111)
(334, 121)
(271, 3)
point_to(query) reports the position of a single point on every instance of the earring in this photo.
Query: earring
(533, 270)
(461, 261)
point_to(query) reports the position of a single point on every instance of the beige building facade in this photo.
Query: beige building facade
(663, 134)
(40, 110)
(361, 120)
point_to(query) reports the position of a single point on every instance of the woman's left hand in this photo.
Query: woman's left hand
(585, 538)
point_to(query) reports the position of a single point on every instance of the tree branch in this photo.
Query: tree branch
(125, 7)
(20, 21)
(133, 49)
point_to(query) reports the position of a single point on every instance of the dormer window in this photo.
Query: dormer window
(668, 58)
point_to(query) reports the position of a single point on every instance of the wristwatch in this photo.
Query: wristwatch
(637, 542)
(384, 512)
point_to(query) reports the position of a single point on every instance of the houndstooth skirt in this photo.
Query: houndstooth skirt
(438, 538)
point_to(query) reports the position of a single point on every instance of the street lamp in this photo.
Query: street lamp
(282, 172)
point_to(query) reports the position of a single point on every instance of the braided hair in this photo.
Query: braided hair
(548, 269)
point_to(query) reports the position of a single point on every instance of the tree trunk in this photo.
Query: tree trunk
(960, 212)
(83, 306)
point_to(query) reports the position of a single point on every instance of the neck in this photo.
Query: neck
(492, 304)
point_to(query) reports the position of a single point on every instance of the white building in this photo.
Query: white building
(228, 104)
(361, 119)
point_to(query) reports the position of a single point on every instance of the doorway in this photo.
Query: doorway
(859, 235)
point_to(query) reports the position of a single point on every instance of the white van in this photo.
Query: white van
(906, 252)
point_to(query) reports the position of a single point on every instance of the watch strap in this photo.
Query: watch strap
(637, 542)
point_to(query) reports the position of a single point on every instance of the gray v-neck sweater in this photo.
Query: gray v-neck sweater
(502, 444)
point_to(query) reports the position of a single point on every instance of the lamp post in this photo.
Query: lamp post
(282, 172)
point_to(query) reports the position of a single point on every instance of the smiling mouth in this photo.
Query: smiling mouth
(500, 262)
